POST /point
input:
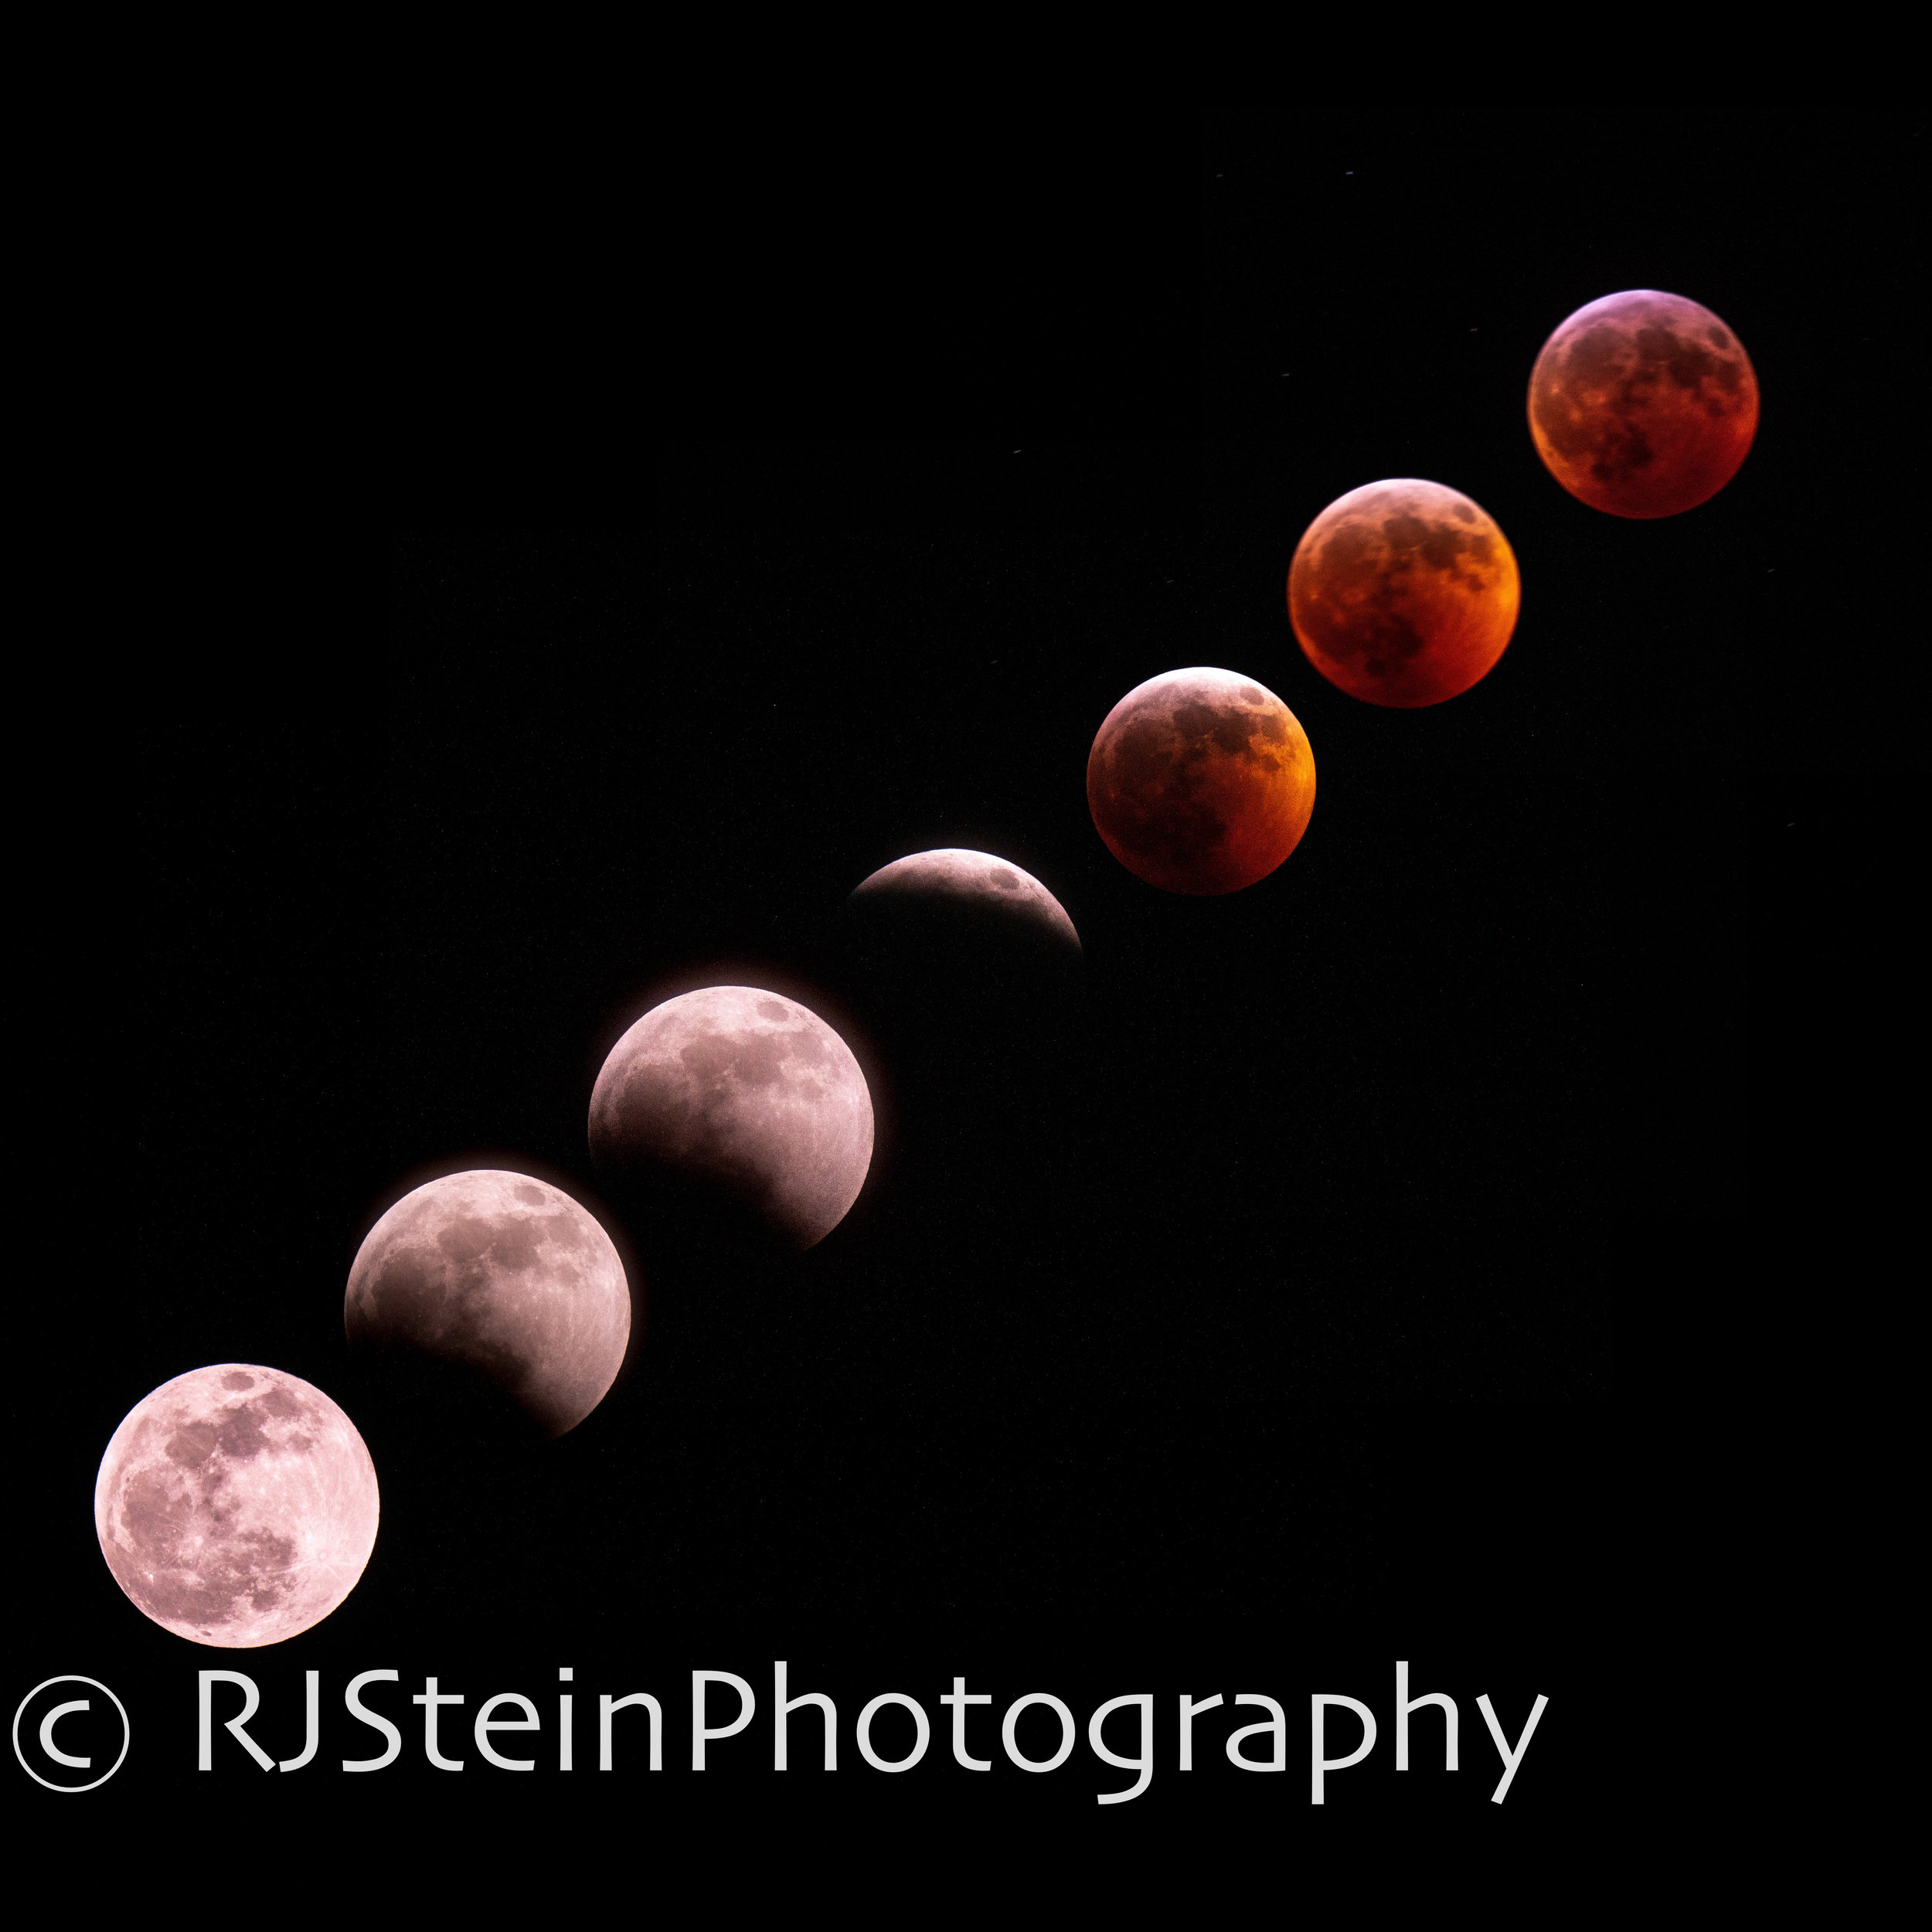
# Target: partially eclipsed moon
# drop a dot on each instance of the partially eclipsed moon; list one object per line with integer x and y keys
{"x": 743, "y": 1091}
{"x": 502, "y": 1273}
{"x": 1403, "y": 593}
{"x": 235, "y": 1505}
{"x": 973, "y": 881}
{"x": 1201, "y": 781}
{"x": 1643, "y": 404}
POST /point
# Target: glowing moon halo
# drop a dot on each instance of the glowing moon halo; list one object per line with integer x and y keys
{"x": 235, "y": 1505}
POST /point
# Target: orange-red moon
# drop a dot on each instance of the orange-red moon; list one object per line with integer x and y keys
{"x": 1403, "y": 593}
{"x": 1643, "y": 404}
{"x": 1201, "y": 781}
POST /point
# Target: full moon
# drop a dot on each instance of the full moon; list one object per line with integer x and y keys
{"x": 1643, "y": 404}
{"x": 744, "y": 1092}
{"x": 235, "y": 1505}
{"x": 505, "y": 1275}
{"x": 1403, "y": 593}
{"x": 1201, "y": 781}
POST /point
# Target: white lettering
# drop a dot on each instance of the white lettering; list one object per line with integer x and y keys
{"x": 1319, "y": 1766}
{"x": 700, "y": 1736}
{"x": 252, "y": 1703}
{"x": 1143, "y": 1764}
{"x": 1510, "y": 1759}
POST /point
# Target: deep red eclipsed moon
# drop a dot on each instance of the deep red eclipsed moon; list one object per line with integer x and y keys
{"x": 1643, "y": 404}
{"x": 235, "y": 1505}
{"x": 1403, "y": 593}
{"x": 1201, "y": 781}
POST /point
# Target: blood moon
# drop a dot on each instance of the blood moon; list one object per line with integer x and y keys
{"x": 235, "y": 1505}
{"x": 1403, "y": 593}
{"x": 1201, "y": 781}
{"x": 1643, "y": 404}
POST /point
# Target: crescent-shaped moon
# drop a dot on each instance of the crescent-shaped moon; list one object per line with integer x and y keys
{"x": 975, "y": 883}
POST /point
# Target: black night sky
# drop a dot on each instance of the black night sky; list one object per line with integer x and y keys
{"x": 1291, "y": 1304}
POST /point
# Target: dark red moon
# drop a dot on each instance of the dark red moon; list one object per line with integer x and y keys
{"x": 1201, "y": 781}
{"x": 1403, "y": 593}
{"x": 1643, "y": 404}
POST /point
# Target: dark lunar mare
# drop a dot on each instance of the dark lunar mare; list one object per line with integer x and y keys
{"x": 1151, "y": 790}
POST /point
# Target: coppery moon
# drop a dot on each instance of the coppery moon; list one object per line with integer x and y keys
{"x": 505, "y": 1275}
{"x": 235, "y": 1505}
{"x": 1643, "y": 404}
{"x": 742, "y": 1091}
{"x": 1201, "y": 781}
{"x": 1403, "y": 593}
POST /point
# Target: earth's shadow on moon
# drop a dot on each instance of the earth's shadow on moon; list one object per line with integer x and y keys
{"x": 951, "y": 1293}
{"x": 973, "y": 1045}
{"x": 717, "y": 1272}
{"x": 417, "y": 1408}
{"x": 412, "y": 1392}
{"x": 716, "y": 1268}
{"x": 649, "y": 1201}
{"x": 979, "y": 1012}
